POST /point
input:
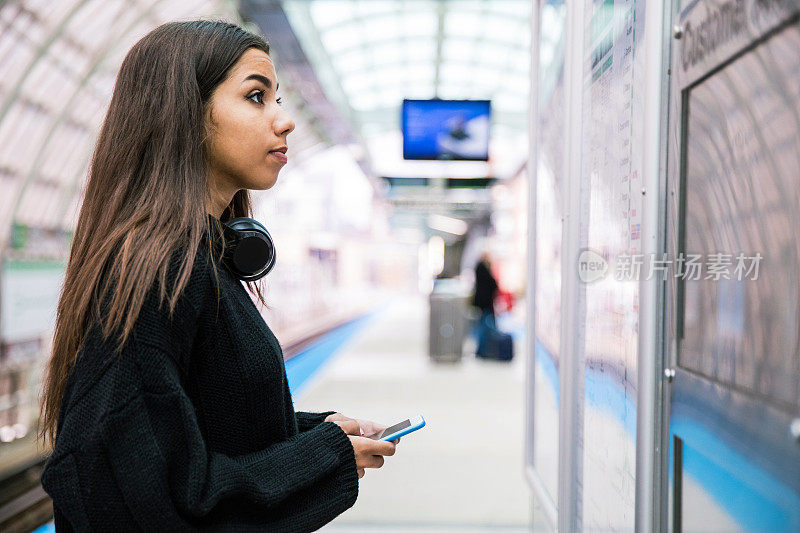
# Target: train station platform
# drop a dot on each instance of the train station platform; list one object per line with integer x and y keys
{"x": 463, "y": 472}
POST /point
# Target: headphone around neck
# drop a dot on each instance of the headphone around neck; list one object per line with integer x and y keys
{"x": 249, "y": 250}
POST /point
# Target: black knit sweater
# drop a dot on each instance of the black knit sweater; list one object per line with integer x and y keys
{"x": 192, "y": 426}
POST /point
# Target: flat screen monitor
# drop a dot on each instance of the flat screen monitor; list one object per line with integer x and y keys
{"x": 446, "y": 129}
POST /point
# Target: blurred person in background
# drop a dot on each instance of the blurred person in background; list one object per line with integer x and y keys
{"x": 166, "y": 395}
{"x": 483, "y": 299}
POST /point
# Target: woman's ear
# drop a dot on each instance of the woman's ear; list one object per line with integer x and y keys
{"x": 209, "y": 128}
{"x": 208, "y": 119}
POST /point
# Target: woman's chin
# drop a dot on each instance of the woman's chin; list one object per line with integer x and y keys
{"x": 264, "y": 184}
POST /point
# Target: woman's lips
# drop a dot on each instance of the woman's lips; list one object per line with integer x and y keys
{"x": 280, "y": 156}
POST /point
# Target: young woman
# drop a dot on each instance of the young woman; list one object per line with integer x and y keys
{"x": 166, "y": 394}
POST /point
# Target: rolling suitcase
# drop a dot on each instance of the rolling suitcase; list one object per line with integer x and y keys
{"x": 497, "y": 345}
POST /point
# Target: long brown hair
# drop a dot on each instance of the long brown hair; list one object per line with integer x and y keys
{"x": 147, "y": 193}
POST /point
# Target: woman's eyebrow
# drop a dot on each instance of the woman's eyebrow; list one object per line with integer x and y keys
{"x": 263, "y": 79}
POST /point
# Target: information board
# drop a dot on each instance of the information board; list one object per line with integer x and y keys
{"x": 549, "y": 212}
{"x": 610, "y": 231}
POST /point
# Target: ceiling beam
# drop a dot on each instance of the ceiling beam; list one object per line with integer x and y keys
{"x": 313, "y": 52}
{"x": 441, "y": 13}
{"x": 394, "y": 12}
{"x": 514, "y": 47}
{"x": 115, "y": 38}
{"x": 40, "y": 52}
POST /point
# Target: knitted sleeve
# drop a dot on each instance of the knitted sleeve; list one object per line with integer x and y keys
{"x": 306, "y": 421}
{"x": 171, "y": 481}
{"x": 158, "y": 459}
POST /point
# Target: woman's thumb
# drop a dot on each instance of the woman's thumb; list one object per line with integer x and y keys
{"x": 350, "y": 427}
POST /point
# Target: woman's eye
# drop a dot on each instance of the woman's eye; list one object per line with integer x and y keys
{"x": 259, "y": 95}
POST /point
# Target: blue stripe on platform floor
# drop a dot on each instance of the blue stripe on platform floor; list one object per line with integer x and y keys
{"x": 307, "y": 362}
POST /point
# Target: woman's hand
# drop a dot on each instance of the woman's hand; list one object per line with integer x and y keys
{"x": 370, "y": 452}
{"x": 366, "y": 427}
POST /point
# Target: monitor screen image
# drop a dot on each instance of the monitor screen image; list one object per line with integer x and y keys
{"x": 446, "y": 129}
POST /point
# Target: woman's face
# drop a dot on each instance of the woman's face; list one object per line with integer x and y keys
{"x": 245, "y": 126}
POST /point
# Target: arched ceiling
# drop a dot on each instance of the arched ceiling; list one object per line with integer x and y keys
{"x": 370, "y": 54}
{"x": 58, "y": 64}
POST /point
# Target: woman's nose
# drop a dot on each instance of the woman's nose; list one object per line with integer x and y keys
{"x": 284, "y": 124}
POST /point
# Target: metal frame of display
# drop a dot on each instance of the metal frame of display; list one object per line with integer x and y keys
{"x": 534, "y": 480}
{"x": 776, "y": 16}
{"x": 651, "y": 417}
{"x": 570, "y": 409}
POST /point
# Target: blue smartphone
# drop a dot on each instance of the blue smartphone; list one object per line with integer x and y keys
{"x": 398, "y": 430}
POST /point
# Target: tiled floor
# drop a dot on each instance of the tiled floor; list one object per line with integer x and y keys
{"x": 462, "y": 472}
